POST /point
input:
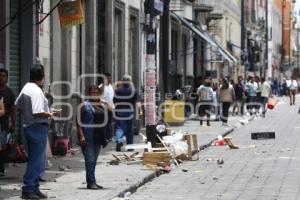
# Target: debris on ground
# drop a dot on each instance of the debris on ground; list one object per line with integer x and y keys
{"x": 185, "y": 170}
{"x": 64, "y": 168}
{"x": 229, "y": 143}
{"x": 220, "y": 161}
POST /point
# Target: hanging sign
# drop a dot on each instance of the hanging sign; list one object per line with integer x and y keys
{"x": 71, "y": 13}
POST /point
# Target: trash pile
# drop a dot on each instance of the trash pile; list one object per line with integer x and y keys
{"x": 173, "y": 148}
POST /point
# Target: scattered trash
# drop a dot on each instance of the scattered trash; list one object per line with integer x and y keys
{"x": 114, "y": 162}
{"x": 64, "y": 168}
{"x": 220, "y": 161}
{"x": 167, "y": 169}
{"x": 253, "y": 146}
{"x": 126, "y": 195}
{"x": 185, "y": 170}
{"x": 229, "y": 143}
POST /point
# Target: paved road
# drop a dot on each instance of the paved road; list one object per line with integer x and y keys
{"x": 270, "y": 170}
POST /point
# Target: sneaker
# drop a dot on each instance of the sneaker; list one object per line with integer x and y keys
{"x": 118, "y": 147}
{"x": 41, "y": 195}
{"x": 26, "y": 195}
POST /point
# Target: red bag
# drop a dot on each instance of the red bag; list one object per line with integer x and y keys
{"x": 13, "y": 153}
{"x": 271, "y": 103}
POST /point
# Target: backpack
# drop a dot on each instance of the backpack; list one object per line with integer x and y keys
{"x": 205, "y": 94}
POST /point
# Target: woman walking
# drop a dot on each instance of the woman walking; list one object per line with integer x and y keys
{"x": 226, "y": 99}
{"x": 91, "y": 132}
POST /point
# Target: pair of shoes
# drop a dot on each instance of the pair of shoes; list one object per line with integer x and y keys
{"x": 118, "y": 147}
{"x": 94, "y": 187}
{"x": 42, "y": 180}
{"x": 100, "y": 186}
{"x": 41, "y": 195}
{"x": 2, "y": 174}
{"x": 38, "y": 195}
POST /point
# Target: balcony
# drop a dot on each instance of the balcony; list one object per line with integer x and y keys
{"x": 219, "y": 6}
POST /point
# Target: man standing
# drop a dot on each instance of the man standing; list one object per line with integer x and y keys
{"x": 108, "y": 97}
{"x": 126, "y": 101}
{"x": 251, "y": 89}
{"x": 8, "y": 121}
{"x": 34, "y": 107}
{"x": 240, "y": 95}
{"x": 266, "y": 92}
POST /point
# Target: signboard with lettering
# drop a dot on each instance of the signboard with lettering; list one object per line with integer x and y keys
{"x": 262, "y": 135}
{"x": 71, "y": 13}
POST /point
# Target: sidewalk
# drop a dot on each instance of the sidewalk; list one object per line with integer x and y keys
{"x": 116, "y": 179}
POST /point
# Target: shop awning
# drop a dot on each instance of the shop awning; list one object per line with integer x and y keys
{"x": 208, "y": 38}
{"x": 227, "y": 55}
{"x": 195, "y": 30}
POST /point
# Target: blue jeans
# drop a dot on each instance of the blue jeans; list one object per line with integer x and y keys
{"x": 125, "y": 127}
{"x": 90, "y": 152}
{"x": 3, "y": 142}
{"x": 36, "y": 137}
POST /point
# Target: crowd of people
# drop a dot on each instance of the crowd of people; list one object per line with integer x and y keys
{"x": 251, "y": 95}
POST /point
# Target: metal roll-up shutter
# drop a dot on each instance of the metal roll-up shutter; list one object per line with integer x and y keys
{"x": 14, "y": 50}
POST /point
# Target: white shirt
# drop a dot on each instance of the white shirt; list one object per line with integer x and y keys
{"x": 32, "y": 100}
{"x": 108, "y": 94}
{"x": 265, "y": 89}
{"x": 294, "y": 85}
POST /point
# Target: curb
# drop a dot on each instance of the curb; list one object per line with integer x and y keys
{"x": 157, "y": 173}
{"x": 133, "y": 188}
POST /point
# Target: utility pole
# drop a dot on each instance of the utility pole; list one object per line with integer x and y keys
{"x": 150, "y": 71}
{"x": 165, "y": 45}
{"x": 267, "y": 37}
{"x": 282, "y": 37}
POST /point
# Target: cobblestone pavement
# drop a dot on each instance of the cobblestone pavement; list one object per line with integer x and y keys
{"x": 258, "y": 170}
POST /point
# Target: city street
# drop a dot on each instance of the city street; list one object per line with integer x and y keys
{"x": 264, "y": 169}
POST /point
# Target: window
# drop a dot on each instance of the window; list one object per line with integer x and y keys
{"x": 2, "y": 33}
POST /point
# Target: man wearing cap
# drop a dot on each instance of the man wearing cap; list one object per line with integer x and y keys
{"x": 126, "y": 100}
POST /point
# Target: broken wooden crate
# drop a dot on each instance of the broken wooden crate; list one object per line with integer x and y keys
{"x": 154, "y": 158}
{"x": 192, "y": 142}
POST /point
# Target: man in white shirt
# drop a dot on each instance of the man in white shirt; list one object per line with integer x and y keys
{"x": 293, "y": 91}
{"x": 34, "y": 107}
{"x": 108, "y": 97}
{"x": 266, "y": 92}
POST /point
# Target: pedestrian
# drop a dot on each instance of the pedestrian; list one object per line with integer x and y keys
{"x": 293, "y": 91}
{"x": 108, "y": 96}
{"x": 251, "y": 95}
{"x": 216, "y": 104}
{"x": 266, "y": 92}
{"x": 8, "y": 120}
{"x": 126, "y": 102}
{"x": 91, "y": 126}
{"x": 258, "y": 100}
{"x": 205, "y": 100}
{"x": 34, "y": 107}
{"x": 240, "y": 97}
{"x": 226, "y": 98}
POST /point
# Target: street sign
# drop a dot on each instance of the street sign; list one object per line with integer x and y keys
{"x": 262, "y": 135}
